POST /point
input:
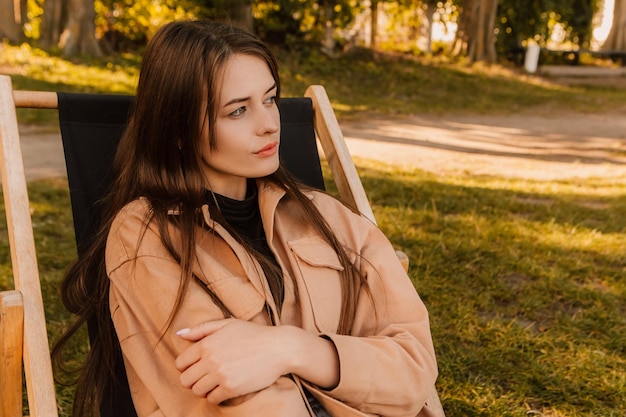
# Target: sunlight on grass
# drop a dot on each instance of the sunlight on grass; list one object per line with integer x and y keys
{"x": 524, "y": 285}
{"x": 523, "y": 279}
{"x": 40, "y": 66}
{"x": 361, "y": 83}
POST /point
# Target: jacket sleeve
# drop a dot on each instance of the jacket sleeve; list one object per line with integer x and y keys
{"x": 143, "y": 287}
{"x": 387, "y": 363}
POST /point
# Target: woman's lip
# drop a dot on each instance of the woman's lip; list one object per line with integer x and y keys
{"x": 268, "y": 150}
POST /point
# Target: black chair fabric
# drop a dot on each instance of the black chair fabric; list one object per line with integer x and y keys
{"x": 91, "y": 126}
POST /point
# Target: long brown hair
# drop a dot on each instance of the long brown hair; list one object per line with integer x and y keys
{"x": 159, "y": 158}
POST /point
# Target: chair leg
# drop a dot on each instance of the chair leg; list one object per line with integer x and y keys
{"x": 11, "y": 349}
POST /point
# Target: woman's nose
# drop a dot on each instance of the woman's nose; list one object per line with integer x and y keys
{"x": 269, "y": 120}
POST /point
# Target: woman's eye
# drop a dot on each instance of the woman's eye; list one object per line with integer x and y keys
{"x": 239, "y": 112}
{"x": 270, "y": 100}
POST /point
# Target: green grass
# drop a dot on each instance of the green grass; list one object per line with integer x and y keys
{"x": 54, "y": 237}
{"x": 359, "y": 84}
{"x": 34, "y": 69}
{"x": 523, "y": 279}
{"x": 398, "y": 86}
{"x": 524, "y": 284}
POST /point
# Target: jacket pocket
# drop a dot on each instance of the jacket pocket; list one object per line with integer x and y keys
{"x": 316, "y": 252}
{"x": 319, "y": 274}
{"x": 238, "y": 295}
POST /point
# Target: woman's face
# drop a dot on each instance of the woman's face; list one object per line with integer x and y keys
{"x": 247, "y": 128}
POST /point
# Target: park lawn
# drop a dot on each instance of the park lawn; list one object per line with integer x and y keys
{"x": 360, "y": 84}
{"x": 524, "y": 284}
{"x": 522, "y": 279}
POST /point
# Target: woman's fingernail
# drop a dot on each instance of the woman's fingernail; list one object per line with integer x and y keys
{"x": 183, "y": 331}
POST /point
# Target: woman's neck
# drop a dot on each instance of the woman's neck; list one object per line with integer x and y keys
{"x": 233, "y": 190}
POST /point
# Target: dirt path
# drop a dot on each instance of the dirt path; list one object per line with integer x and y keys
{"x": 522, "y": 146}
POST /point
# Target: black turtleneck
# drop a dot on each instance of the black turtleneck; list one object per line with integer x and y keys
{"x": 244, "y": 217}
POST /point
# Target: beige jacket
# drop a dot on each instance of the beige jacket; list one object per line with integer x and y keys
{"x": 387, "y": 366}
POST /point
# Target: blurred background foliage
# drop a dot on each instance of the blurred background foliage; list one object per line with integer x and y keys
{"x": 523, "y": 279}
{"x": 421, "y": 27}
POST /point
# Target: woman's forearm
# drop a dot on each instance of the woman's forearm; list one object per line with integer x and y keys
{"x": 311, "y": 357}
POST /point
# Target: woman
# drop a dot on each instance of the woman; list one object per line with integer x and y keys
{"x": 234, "y": 290}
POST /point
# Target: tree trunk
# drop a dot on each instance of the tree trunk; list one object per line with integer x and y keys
{"x": 79, "y": 34}
{"x": 491, "y": 55}
{"x": 374, "y": 23}
{"x": 464, "y": 24}
{"x": 475, "y": 34}
{"x": 241, "y": 15}
{"x": 70, "y": 25}
{"x": 427, "y": 24}
{"x": 479, "y": 32}
{"x": 616, "y": 40}
{"x": 464, "y": 27}
{"x": 12, "y": 19}
{"x": 52, "y": 22}
{"x": 328, "y": 36}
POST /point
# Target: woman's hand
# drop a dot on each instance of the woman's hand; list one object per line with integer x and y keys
{"x": 230, "y": 358}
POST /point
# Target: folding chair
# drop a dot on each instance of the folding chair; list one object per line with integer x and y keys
{"x": 88, "y": 157}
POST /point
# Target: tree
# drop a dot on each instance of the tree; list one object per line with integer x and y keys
{"x": 616, "y": 40}
{"x": 69, "y": 24}
{"x": 327, "y": 20}
{"x": 374, "y": 23}
{"x": 408, "y": 24}
{"x": 237, "y": 12}
{"x": 429, "y": 8}
{"x": 539, "y": 20}
{"x": 51, "y": 23}
{"x": 79, "y": 35}
{"x": 475, "y": 36}
{"x": 487, "y": 28}
{"x": 12, "y": 19}
{"x": 281, "y": 21}
{"x": 302, "y": 23}
{"x": 330, "y": 16}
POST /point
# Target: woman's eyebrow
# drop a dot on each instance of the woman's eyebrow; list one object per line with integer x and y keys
{"x": 271, "y": 88}
{"x": 242, "y": 99}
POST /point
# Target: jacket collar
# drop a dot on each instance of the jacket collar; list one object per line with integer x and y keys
{"x": 269, "y": 194}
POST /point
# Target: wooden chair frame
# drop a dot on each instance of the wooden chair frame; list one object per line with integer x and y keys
{"x": 36, "y": 351}
{"x": 23, "y": 333}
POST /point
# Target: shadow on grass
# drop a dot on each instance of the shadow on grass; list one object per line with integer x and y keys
{"x": 367, "y": 83}
{"x": 525, "y": 290}
{"x": 523, "y": 282}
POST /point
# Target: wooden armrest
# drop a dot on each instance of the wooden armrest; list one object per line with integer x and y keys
{"x": 337, "y": 154}
{"x": 35, "y": 99}
{"x": 11, "y": 349}
{"x": 404, "y": 260}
